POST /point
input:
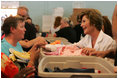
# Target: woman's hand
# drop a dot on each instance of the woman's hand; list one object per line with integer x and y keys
{"x": 34, "y": 52}
{"x": 93, "y": 52}
{"x": 27, "y": 44}
{"x": 26, "y": 40}
{"x": 27, "y": 72}
{"x": 88, "y": 50}
{"x": 41, "y": 40}
{"x": 100, "y": 53}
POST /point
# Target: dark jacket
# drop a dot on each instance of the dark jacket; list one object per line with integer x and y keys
{"x": 30, "y": 34}
{"x": 79, "y": 31}
{"x": 68, "y": 33}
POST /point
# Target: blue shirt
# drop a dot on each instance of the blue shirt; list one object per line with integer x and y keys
{"x": 5, "y": 47}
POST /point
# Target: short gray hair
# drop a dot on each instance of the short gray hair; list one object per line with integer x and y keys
{"x": 65, "y": 19}
{"x": 23, "y": 7}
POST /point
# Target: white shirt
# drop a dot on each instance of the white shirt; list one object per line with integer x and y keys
{"x": 103, "y": 42}
{"x": 53, "y": 30}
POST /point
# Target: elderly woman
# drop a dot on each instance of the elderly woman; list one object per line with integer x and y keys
{"x": 95, "y": 39}
{"x": 14, "y": 30}
{"x": 66, "y": 31}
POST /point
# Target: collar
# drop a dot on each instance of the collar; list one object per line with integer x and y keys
{"x": 100, "y": 37}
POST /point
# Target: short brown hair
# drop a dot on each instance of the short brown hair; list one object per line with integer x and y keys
{"x": 9, "y": 22}
{"x": 57, "y": 21}
{"x": 94, "y": 16}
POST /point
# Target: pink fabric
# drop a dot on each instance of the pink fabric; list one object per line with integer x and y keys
{"x": 66, "y": 51}
{"x": 53, "y": 53}
{"x": 71, "y": 51}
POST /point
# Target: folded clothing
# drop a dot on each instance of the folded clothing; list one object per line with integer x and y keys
{"x": 72, "y": 70}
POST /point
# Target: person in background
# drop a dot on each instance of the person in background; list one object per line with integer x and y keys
{"x": 23, "y": 11}
{"x": 107, "y": 26}
{"x": 66, "y": 31}
{"x": 37, "y": 28}
{"x": 79, "y": 29}
{"x": 14, "y": 30}
{"x": 29, "y": 20}
{"x": 57, "y": 24}
{"x": 30, "y": 33}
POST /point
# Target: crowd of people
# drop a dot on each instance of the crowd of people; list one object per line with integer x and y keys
{"x": 99, "y": 37}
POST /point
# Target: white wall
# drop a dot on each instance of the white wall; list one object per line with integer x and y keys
{"x": 39, "y": 8}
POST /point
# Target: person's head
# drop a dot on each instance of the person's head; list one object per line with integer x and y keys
{"x": 65, "y": 22}
{"x": 14, "y": 25}
{"x": 91, "y": 19}
{"x": 37, "y": 28}
{"x": 107, "y": 27}
{"x": 29, "y": 20}
{"x": 22, "y": 11}
{"x": 57, "y": 21}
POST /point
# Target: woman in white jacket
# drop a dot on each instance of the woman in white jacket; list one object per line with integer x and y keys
{"x": 95, "y": 39}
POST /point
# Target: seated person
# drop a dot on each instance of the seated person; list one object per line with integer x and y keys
{"x": 13, "y": 34}
{"x": 29, "y": 20}
{"x": 66, "y": 31}
{"x": 37, "y": 28}
{"x": 14, "y": 30}
{"x": 91, "y": 22}
{"x": 57, "y": 24}
{"x": 30, "y": 32}
{"x": 107, "y": 29}
{"x": 79, "y": 29}
{"x": 112, "y": 51}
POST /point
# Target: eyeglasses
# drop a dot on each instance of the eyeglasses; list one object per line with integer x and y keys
{"x": 22, "y": 15}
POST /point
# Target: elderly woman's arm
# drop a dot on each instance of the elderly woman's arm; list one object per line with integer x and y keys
{"x": 34, "y": 52}
{"x": 27, "y": 44}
